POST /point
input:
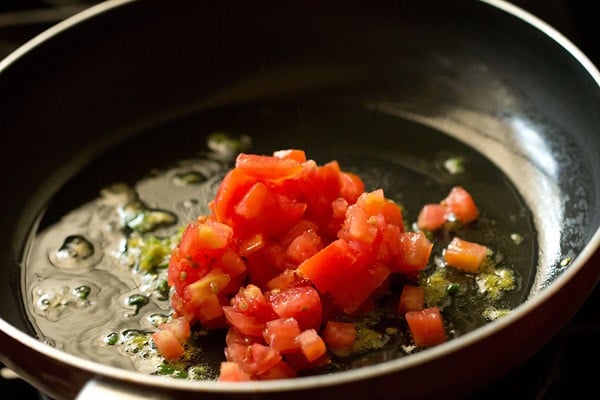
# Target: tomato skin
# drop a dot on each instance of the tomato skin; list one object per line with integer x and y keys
{"x": 426, "y": 326}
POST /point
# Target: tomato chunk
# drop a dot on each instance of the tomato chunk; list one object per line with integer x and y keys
{"x": 460, "y": 203}
{"x": 465, "y": 255}
{"x": 426, "y": 326}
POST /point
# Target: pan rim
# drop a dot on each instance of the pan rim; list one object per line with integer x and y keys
{"x": 338, "y": 378}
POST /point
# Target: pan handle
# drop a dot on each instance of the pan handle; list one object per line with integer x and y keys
{"x": 96, "y": 389}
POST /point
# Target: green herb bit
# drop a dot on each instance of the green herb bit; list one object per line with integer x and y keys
{"x": 454, "y": 165}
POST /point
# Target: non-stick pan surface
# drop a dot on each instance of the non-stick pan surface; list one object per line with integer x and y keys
{"x": 387, "y": 84}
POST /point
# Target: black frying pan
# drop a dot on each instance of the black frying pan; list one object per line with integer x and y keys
{"x": 386, "y": 89}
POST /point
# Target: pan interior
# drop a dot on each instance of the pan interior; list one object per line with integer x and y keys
{"x": 78, "y": 245}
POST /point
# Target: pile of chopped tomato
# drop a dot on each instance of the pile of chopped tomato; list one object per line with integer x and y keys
{"x": 288, "y": 248}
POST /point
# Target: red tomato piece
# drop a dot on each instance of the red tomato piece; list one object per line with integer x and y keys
{"x": 180, "y": 328}
{"x": 303, "y": 246}
{"x": 412, "y": 298}
{"x": 281, "y": 334}
{"x": 426, "y": 327}
{"x": 257, "y": 203}
{"x": 255, "y": 359}
{"x": 267, "y": 167}
{"x": 460, "y": 203}
{"x": 415, "y": 250}
{"x": 352, "y": 186}
{"x": 232, "y": 372}
{"x": 432, "y": 217}
{"x": 231, "y": 190}
{"x": 244, "y": 324}
{"x": 281, "y": 370}
{"x": 334, "y": 270}
{"x": 292, "y": 154}
{"x": 183, "y": 271}
{"x": 250, "y": 300}
{"x": 465, "y": 255}
{"x": 311, "y": 344}
{"x": 167, "y": 344}
{"x": 302, "y": 303}
{"x": 339, "y": 335}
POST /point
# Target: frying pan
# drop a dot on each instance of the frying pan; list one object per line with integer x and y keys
{"x": 388, "y": 83}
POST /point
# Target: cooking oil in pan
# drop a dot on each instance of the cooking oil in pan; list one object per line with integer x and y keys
{"x": 94, "y": 284}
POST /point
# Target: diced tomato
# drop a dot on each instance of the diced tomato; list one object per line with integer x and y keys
{"x": 244, "y": 324}
{"x": 183, "y": 271}
{"x": 235, "y": 337}
{"x": 231, "y": 263}
{"x": 324, "y": 267}
{"x": 339, "y": 335}
{"x": 352, "y": 186}
{"x": 415, "y": 250}
{"x": 465, "y": 255}
{"x": 167, "y": 344}
{"x": 412, "y": 298}
{"x": 311, "y": 344}
{"x": 303, "y": 246}
{"x": 232, "y": 372}
{"x": 334, "y": 270}
{"x": 292, "y": 154}
{"x": 267, "y": 167}
{"x": 392, "y": 213}
{"x": 281, "y": 334}
{"x": 256, "y": 203}
{"x": 432, "y": 217}
{"x": 287, "y": 248}
{"x": 180, "y": 328}
{"x": 285, "y": 280}
{"x": 250, "y": 300}
{"x": 255, "y": 359}
{"x": 281, "y": 370}
{"x": 302, "y": 303}
{"x": 233, "y": 187}
{"x": 460, "y": 203}
{"x": 426, "y": 326}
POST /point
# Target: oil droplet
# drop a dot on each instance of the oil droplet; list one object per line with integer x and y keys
{"x": 516, "y": 238}
{"x": 186, "y": 178}
{"x": 76, "y": 252}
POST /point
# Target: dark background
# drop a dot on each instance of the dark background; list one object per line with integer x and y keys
{"x": 565, "y": 366}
